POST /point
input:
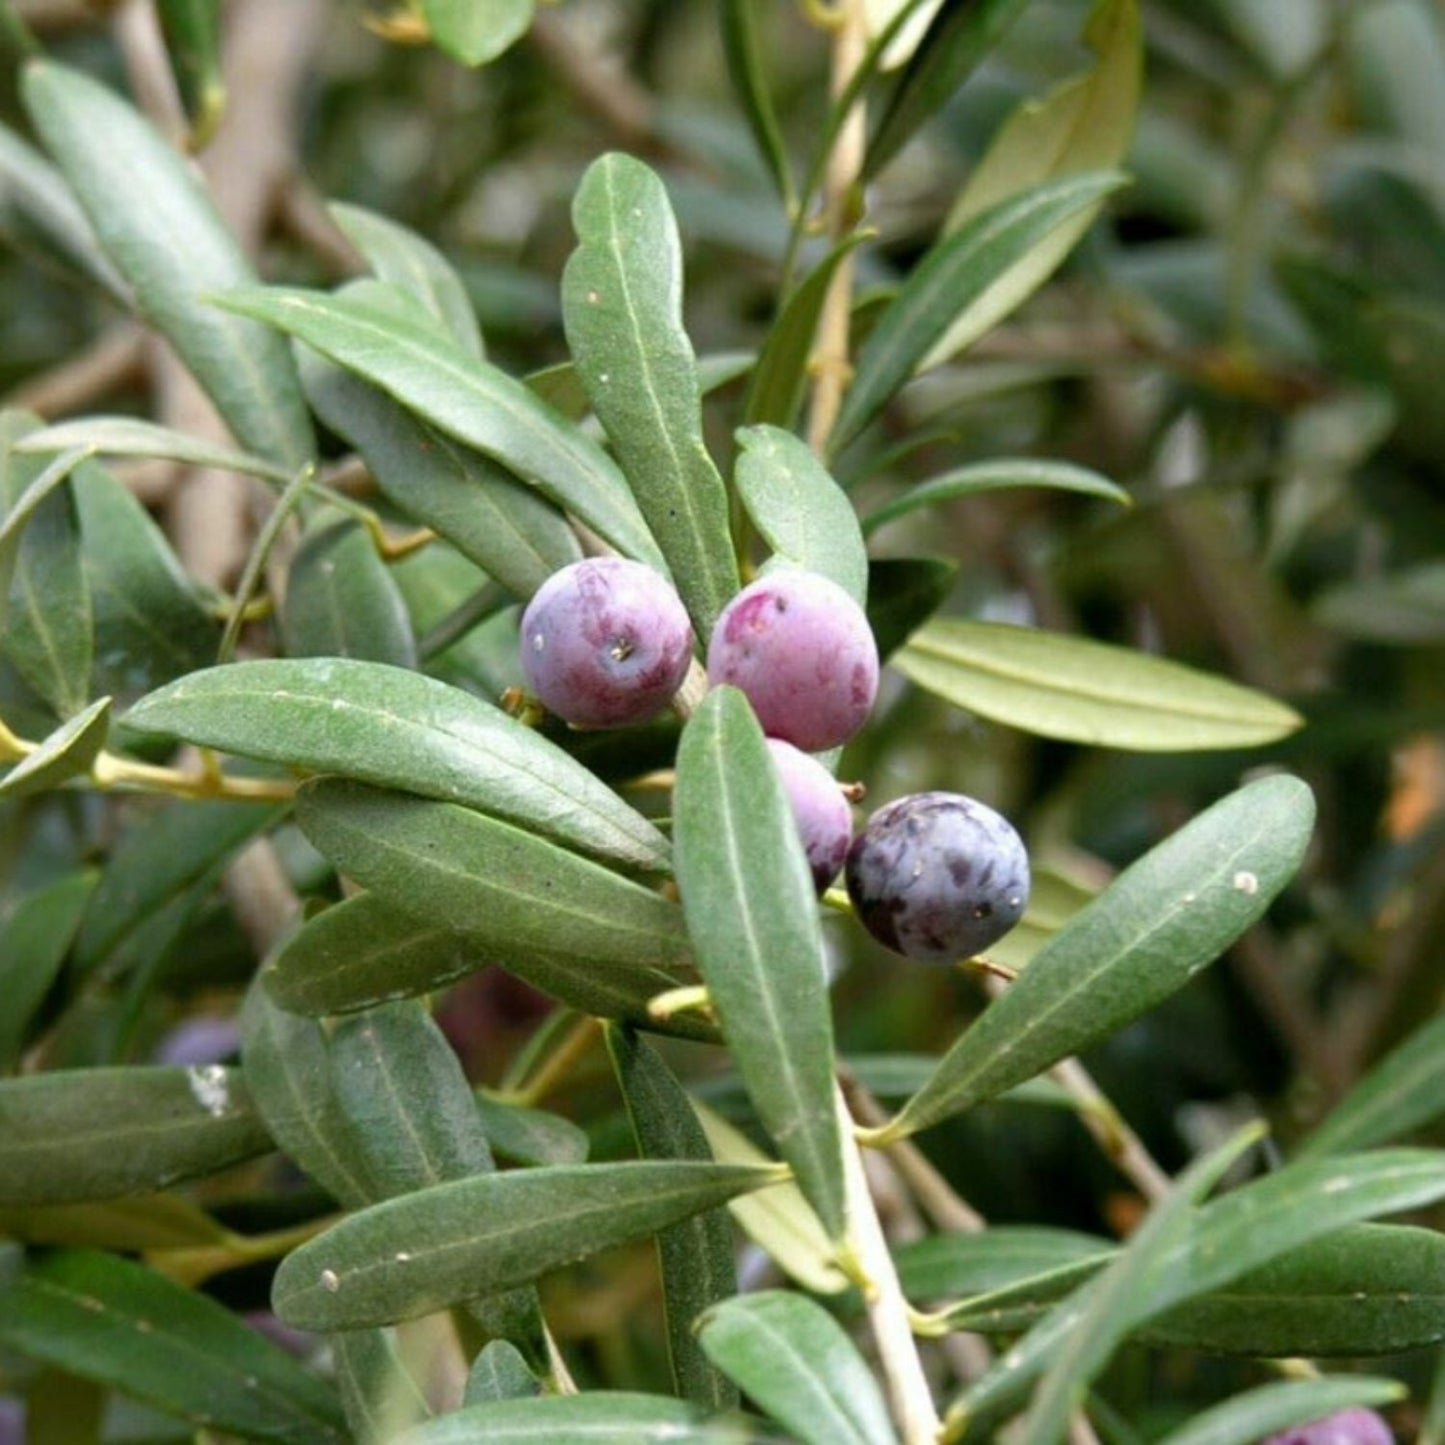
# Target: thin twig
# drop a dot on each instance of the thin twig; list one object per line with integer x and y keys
{"x": 110, "y": 361}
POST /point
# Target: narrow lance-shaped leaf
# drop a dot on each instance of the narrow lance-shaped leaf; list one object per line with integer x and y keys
{"x": 798, "y": 509}
{"x": 1067, "y": 687}
{"x": 68, "y": 752}
{"x": 380, "y": 1396}
{"x": 77, "y": 1134}
{"x": 742, "y": 50}
{"x": 162, "y": 230}
{"x": 751, "y": 911}
{"x": 1086, "y": 125}
{"x": 129, "y": 436}
{"x": 622, "y": 304}
{"x": 457, "y": 1241}
{"x": 792, "y": 1357}
{"x": 953, "y": 276}
{"x": 695, "y": 1255}
{"x": 192, "y": 30}
{"x": 390, "y": 726}
{"x": 600, "y": 1417}
{"x": 397, "y": 254}
{"x": 1257, "y": 1414}
{"x": 1143, "y": 937}
{"x": 465, "y": 397}
{"x": 109, "y": 1320}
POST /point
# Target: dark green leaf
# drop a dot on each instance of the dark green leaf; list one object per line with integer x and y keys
{"x": 952, "y": 277}
{"x": 67, "y": 753}
{"x": 506, "y": 528}
{"x": 128, "y": 436}
{"x": 695, "y": 1255}
{"x": 476, "y": 31}
{"x": 903, "y": 593}
{"x": 467, "y": 399}
{"x": 531, "y": 1136}
{"x": 499, "y": 1373}
{"x": 1251, "y": 1417}
{"x": 192, "y": 30}
{"x": 622, "y": 304}
{"x": 598, "y": 1417}
{"x": 1060, "y": 686}
{"x": 378, "y": 1393}
{"x": 34, "y": 940}
{"x": 398, "y": 255}
{"x": 945, "y": 1265}
{"x": 283, "y": 1058}
{"x": 792, "y": 1357}
{"x": 1403, "y": 1091}
{"x": 156, "y": 1222}
{"x": 478, "y": 1236}
{"x": 751, "y": 911}
{"x": 742, "y": 51}
{"x": 544, "y": 913}
{"x": 389, "y": 726}
{"x": 341, "y": 600}
{"x": 798, "y": 509}
{"x": 780, "y": 378}
{"x": 106, "y": 1319}
{"x": 995, "y": 476}
{"x": 78, "y": 1134}
{"x": 161, "y": 229}
{"x": 957, "y": 40}
{"x": 1146, "y": 935}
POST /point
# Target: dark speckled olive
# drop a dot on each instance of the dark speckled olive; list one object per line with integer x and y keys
{"x": 938, "y": 877}
{"x": 1345, "y": 1427}
{"x": 605, "y": 643}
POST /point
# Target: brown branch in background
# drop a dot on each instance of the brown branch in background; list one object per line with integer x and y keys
{"x": 114, "y": 358}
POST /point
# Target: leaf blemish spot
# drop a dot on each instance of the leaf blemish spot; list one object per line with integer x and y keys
{"x": 210, "y": 1089}
{"x": 1246, "y": 882}
{"x": 329, "y": 1281}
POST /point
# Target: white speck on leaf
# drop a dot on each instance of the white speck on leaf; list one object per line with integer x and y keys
{"x": 1246, "y": 883}
{"x": 402, "y": 1257}
{"x": 210, "y": 1089}
{"x": 329, "y": 1281}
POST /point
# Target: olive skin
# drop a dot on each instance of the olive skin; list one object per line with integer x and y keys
{"x": 938, "y": 877}
{"x": 824, "y": 819}
{"x": 1356, "y": 1426}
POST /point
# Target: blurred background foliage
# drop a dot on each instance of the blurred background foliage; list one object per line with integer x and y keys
{"x": 1249, "y": 342}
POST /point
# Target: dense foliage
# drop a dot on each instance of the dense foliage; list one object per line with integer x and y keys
{"x": 384, "y": 1058}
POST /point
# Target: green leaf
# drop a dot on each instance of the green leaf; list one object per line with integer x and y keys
{"x": 397, "y": 254}
{"x": 622, "y": 305}
{"x": 944, "y": 1265}
{"x": 779, "y": 380}
{"x": 466, "y": 398}
{"x": 499, "y": 1373}
{"x": 599, "y": 1417}
{"x": 505, "y": 527}
{"x": 393, "y": 727}
{"x": 798, "y": 509}
{"x": 957, "y": 40}
{"x": 994, "y": 476}
{"x": 128, "y": 436}
{"x": 1146, "y": 935}
{"x": 476, "y": 31}
{"x": 492, "y": 1232}
{"x": 283, "y": 1058}
{"x": 792, "y": 1357}
{"x": 192, "y": 30}
{"x": 742, "y": 50}
{"x": 149, "y": 624}
{"x": 168, "y": 853}
{"x": 1068, "y": 687}
{"x": 1404, "y": 608}
{"x": 161, "y": 229}
{"x": 958, "y": 276}
{"x": 67, "y": 753}
{"x": 1084, "y": 126}
{"x": 1372, "y": 1289}
{"x": 34, "y": 940}
{"x": 1250, "y": 1417}
{"x": 695, "y": 1255}
{"x": 1121, "y": 1293}
{"x": 753, "y": 918}
{"x": 79, "y": 1134}
{"x": 44, "y": 598}
{"x": 542, "y": 913}
{"x": 531, "y": 1136}
{"x": 903, "y": 593}
{"x": 378, "y": 1393}
{"x": 1403, "y": 1091}
{"x": 109, "y": 1320}
{"x": 151, "y": 1222}
{"x": 341, "y": 600}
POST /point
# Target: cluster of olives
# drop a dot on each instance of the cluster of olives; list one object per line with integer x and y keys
{"x": 606, "y": 643}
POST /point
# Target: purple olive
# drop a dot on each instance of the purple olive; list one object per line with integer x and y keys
{"x": 938, "y": 877}
{"x": 1356, "y": 1426}
{"x": 824, "y": 819}
{"x": 800, "y": 648}
{"x": 605, "y": 643}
